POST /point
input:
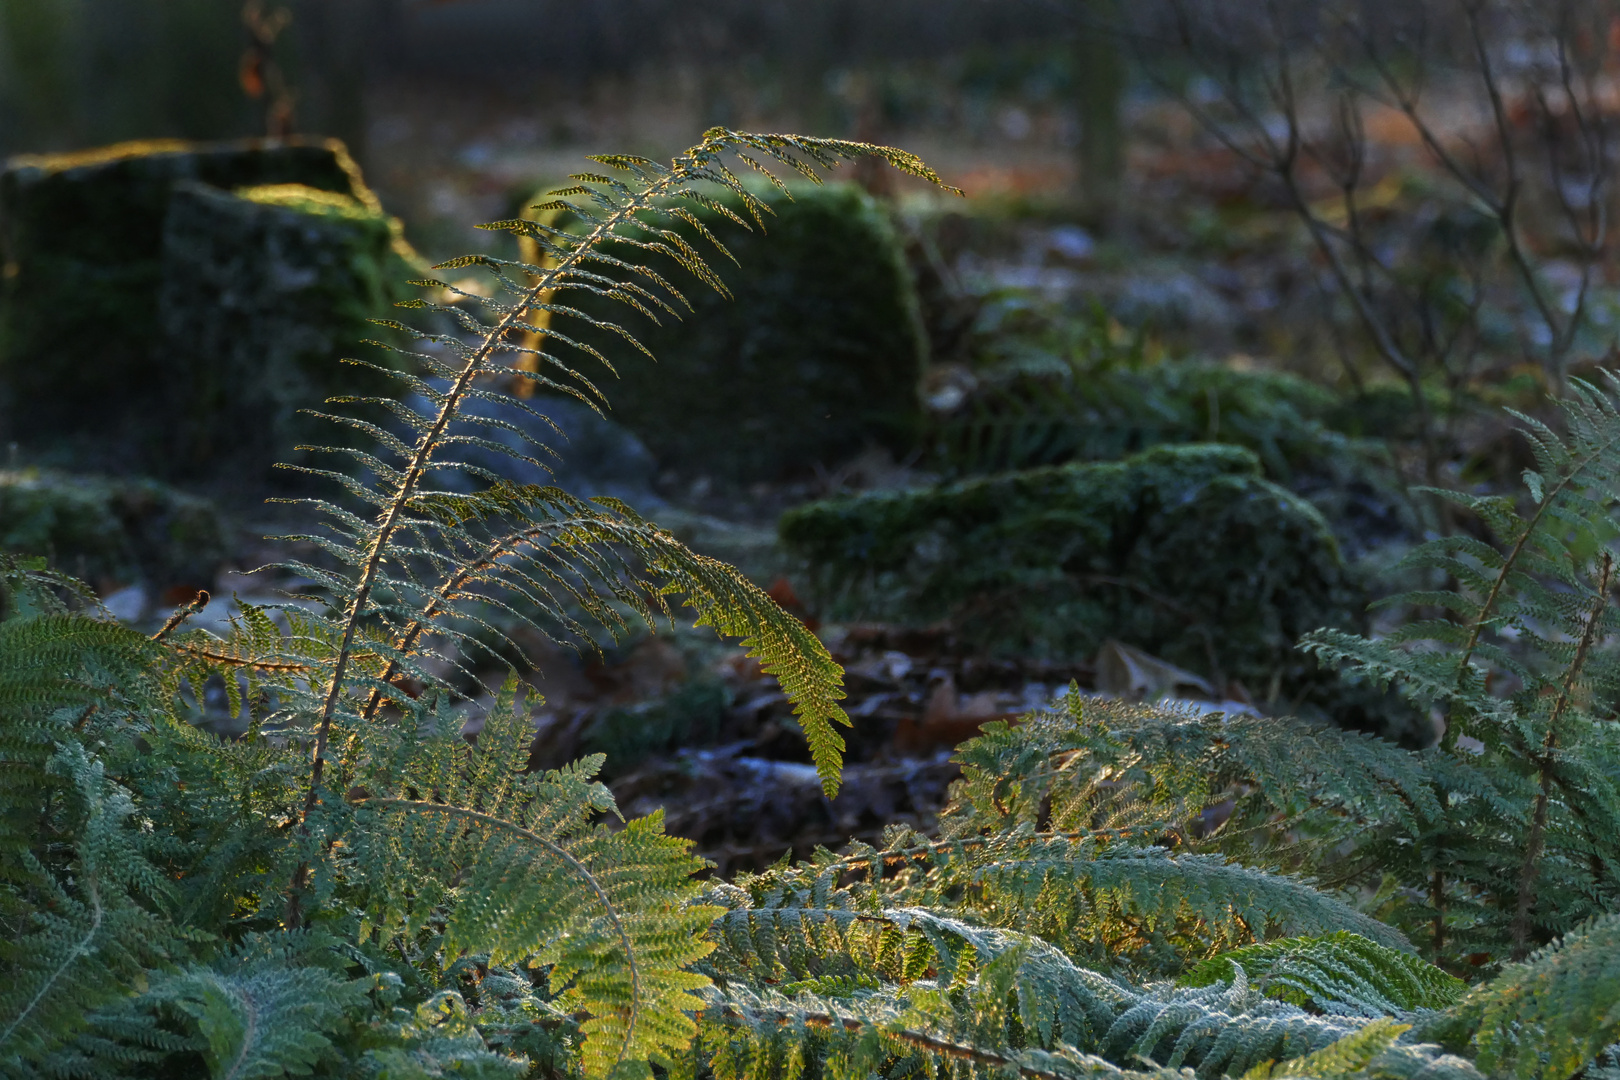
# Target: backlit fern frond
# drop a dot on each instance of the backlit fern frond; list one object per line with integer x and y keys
{"x": 1074, "y": 890}
{"x": 1092, "y": 763}
{"x": 1371, "y": 1054}
{"x": 402, "y": 558}
{"x": 955, "y": 925}
{"x": 539, "y": 549}
{"x": 512, "y": 868}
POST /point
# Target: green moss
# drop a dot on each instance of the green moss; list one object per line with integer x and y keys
{"x": 1048, "y": 387}
{"x": 110, "y": 530}
{"x": 83, "y": 347}
{"x": 818, "y": 354}
{"x": 1187, "y": 551}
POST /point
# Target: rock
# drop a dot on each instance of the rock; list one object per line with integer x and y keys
{"x": 113, "y": 532}
{"x": 87, "y": 317}
{"x": 1184, "y": 551}
{"x": 818, "y": 355}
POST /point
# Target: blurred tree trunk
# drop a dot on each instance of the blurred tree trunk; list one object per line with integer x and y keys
{"x": 38, "y": 98}
{"x": 1100, "y": 77}
{"x": 331, "y": 71}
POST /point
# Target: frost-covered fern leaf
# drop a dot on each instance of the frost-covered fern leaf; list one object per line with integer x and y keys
{"x": 263, "y": 1016}
{"x": 1340, "y": 973}
{"x": 989, "y": 963}
{"x": 511, "y": 867}
{"x": 982, "y": 1023}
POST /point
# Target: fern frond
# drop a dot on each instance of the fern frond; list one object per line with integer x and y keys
{"x": 1551, "y": 1015}
{"x": 86, "y": 933}
{"x": 554, "y": 550}
{"x": 1343, "y": 973}
{"x": 1076, "y": 891}
{"x": 512, "y": 866}
{"x": 1092, "y": 763}
{"x": 263, "y": 1019}
{"x": 411, "y": 560}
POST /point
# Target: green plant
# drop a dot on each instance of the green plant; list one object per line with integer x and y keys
{"x": 1514, "y": 651}
{"x": 355, "y": 889}
{"x": 298, "y": 827}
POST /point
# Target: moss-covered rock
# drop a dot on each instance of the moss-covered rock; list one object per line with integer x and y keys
{"x": 110, "y": 531}
{"x": 1186, "y": 551}
{"x": 1048, "y": 388}
{"x": 91, "y": 245}
{"x": 819, "y": 352}
{"x": 263, "y": 290}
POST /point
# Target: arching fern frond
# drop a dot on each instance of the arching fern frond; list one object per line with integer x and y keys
{"x": 1090, "y": 763}
{"x": 404, "y": 556}
{"x": 563, "y": 555}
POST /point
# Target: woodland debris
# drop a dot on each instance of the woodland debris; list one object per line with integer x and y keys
{"x": 746, "y": 812}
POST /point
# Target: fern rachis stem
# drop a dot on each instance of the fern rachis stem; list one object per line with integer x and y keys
{"x": 80, "y": 948}
{"x": 425, "y": 447}
{"x": 1538, "y": 822}
{"x": 920, "y": 1039}
{"x": 1448, "y": 741}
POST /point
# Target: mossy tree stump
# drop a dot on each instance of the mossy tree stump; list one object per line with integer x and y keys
{"x": 133, "y": 334}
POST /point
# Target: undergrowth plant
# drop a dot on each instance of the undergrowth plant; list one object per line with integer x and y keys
{"x": 353, "y": 888}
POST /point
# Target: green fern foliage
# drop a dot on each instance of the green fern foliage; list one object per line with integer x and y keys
{"x": 1520, "y": 664}
{"x": 83, "y": 916}
{"x": 1336, "y": 969}
{"x": 1153, "y": 771}
{"x": 352, "y": 887}
{"x": 1551, "y": 1015}
{"x": 511, "y": 864}
{"x": 263, "y": 1019}
{"x": 409, "y": 558}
